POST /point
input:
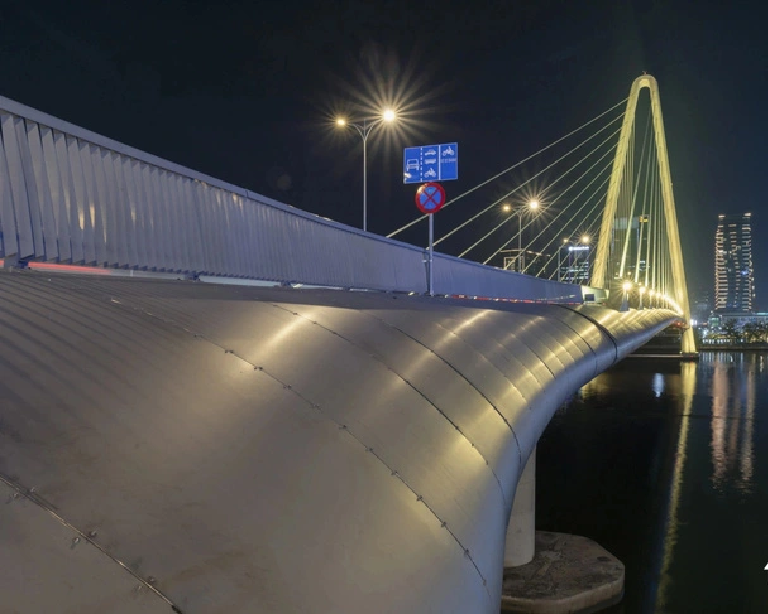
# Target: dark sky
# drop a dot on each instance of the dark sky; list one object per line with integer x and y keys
{"x": 243, "y": 91}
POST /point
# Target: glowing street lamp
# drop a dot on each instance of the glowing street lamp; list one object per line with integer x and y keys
{"x": 585, "y": 239}
{"x": 642, "y": 291}
{"x": 388, "y": 116}
{"x": 533, "y": 205}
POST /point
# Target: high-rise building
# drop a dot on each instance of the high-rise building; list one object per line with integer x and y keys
{"x": 734, "y": 277}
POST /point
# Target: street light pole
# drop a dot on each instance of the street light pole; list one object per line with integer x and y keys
{"x": 387, "y": 116}
{"x": 507, "y": 208}
{"x": 520, "y": 259}
{"x": 365, "y": 134}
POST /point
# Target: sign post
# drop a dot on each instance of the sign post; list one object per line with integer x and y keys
{"x": 430, "y": 198}
{"x": 431, "y": 287}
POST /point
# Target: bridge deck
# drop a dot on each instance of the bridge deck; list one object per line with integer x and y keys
{"x": 238, "y": 449}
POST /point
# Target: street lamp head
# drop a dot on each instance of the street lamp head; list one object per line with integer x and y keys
{"x": 643, "y": 289}
{"x": 506, "y": 207}
{"x": 388, "y": 115}
{"x": 340, "y": 121}
{"x": 565, "y": 241}
{"x": 585, "y": 239}
{"x": 534, "y": 204}
{"x": 626, "y": 286}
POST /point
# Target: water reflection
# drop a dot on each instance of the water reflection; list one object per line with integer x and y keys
{"x": 658, "y": 384}
{"x": 688, "y": 388}
{"x": 733, "y": 390}
{"x": 656, "y": 461}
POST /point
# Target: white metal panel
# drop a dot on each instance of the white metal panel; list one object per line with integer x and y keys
{"x": 236, "y": 221}
{"x": 249, "y": 209}
{"x": 81, "y": 169}
{"x": 280, "y": 235}
{"x": 77, "y": 204}
{"x": 186, "y": 221}
{"x": 50, "y": 236}
{"x": 26, "y": 245}
{"x": 200, "y": 217}
{"x": 148, "y": 216}
{"x": 117, "y": 207}
{"x": 7, "y": 216}
{"x": 97, "y": 190}
{"x": 243, "y": 243}
{"x": 228, "y": 231}
{"x": 137, "y": 210}
{"x": 262, "y": 242}
{"x": 69, "y": 198}
{"x": 160, "y": 217}
{"x": 168, "y": 195}
{"x": 176, "y": 193}
{"x": 33, "y": 197}
{"x": 219, "y": 230}
{"x": 113, "y": 211}
{"x": 123, "y": 173}
{"x": 58, "y": 196}
{"x": 196, "y": 233}
{"x": 88, "y": 156}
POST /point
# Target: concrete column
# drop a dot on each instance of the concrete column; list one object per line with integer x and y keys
{"x": 521, "y": 532}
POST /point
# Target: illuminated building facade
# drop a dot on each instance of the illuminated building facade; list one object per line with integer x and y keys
{"x": 734, "y": 276}
{"x": 573, "y": 263}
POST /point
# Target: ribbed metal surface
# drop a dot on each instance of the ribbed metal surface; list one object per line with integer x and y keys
{"x": 69, "y": 195}
{"x": 237, "y": 449}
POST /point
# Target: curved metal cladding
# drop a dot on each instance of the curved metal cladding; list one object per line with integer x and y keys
{"x": 231, "y": 449}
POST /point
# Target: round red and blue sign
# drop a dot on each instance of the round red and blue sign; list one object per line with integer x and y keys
{"x": 430, "y": 198}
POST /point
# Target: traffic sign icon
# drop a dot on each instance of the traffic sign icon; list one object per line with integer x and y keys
{"x": 431, "y": 163}
{"x": 430, "y": 198}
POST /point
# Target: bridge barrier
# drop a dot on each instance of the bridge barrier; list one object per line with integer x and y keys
{"x": 72, "y": 196}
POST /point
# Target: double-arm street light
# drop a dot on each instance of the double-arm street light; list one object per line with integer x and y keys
{"x": 387, "y": 117}
{"x": 533, "y": 205}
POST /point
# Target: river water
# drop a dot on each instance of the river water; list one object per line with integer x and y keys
{"x": 666, "y": 466}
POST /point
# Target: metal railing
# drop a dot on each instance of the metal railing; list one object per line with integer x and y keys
{"x": 72, "y": 196}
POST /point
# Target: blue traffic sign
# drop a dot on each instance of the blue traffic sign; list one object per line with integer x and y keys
{"x": 431, "y": 163}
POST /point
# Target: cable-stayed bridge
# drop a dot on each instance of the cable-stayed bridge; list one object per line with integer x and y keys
{"x": 199, "y": 447}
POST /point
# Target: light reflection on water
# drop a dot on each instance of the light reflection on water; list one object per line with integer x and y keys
{"x": 663, "y": 465}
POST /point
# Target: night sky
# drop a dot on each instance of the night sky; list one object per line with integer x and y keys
{"x": 245, "y": 91}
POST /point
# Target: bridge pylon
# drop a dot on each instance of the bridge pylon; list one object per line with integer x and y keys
{"x": 678, "y": 285}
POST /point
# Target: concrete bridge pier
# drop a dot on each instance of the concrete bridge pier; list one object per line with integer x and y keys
{"x": 553, "y": 573}
{"x": 520, "y": 546}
